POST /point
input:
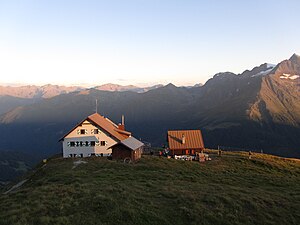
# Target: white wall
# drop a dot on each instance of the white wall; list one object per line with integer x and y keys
{"x": 89, "y": 136}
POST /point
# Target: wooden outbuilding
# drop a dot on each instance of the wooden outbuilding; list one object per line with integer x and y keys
{"x": 185, "y": 142}
{"x": 128, "y": 149}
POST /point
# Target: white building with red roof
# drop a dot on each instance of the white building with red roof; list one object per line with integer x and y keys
{"x": 93, "y": 137}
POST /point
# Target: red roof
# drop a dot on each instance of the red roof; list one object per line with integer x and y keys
{"x": 193, "y": 139}
{"x": 109, "y": 126}
{"x": 105, "y": 124}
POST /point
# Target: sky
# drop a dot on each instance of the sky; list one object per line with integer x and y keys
{"x": 141, "y": 42}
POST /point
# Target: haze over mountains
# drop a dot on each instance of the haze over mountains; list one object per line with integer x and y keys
{"x": 257, "y": 109}
{"x": 13, "y": 96}
{"x": 49, "y": 90}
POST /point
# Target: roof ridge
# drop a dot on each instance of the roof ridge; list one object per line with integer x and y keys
{"x": 122, "y": 131}
{"x": 110, "y": 121}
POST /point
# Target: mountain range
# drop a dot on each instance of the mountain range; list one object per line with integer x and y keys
{"x": 258, "y": 109}
{"x": 49, "y": 90}
{"x": 14, "y": 96}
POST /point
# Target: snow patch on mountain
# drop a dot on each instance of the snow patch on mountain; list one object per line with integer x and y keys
{"x": 289, "y": 76}
{"x": 263, "y": 73}
{"x": 270, "y": 65}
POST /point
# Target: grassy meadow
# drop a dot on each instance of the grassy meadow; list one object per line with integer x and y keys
{"x": 227, "y": 190}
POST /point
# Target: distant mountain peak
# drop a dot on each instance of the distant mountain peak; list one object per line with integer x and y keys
{"x": 225, "y": 74}
{"x": 170, "y": 85}
{"x": 258, "y": 71}
{"x": 295, "y": 58}
{"x": 289, "y": 69}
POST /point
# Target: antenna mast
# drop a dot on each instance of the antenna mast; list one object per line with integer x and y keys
{"x": 96, "y": 105}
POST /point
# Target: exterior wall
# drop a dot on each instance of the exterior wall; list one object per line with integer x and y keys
{"x": 88, "y": 136}
{"x": 122, "y": 152}
{"x": 184, "y": 151}
{"x": 137, "y": 154}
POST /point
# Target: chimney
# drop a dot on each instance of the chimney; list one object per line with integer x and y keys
{"x": 121, "y": 126}
{"x": 183, "y": 139}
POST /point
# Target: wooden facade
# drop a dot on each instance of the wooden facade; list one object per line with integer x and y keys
{"x": 129, "y": 148}
{"x": 121, "y": 152}
{"x": 185, "y": 151}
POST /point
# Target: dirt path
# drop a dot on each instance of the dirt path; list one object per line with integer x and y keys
{"x": 15, "y": 187}
{"x": 76, "y": 163}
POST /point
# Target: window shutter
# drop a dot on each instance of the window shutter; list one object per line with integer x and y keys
{"x": 78, "y": 131}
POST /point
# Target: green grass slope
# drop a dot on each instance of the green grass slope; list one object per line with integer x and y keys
{"x": 227, "y": 190}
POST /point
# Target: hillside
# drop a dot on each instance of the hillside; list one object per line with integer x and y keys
{"x": 278, "y": 98}
{"x": 8, "y": 103}
{"x": 14, "y": 164}
{"x": 227, "y": 190}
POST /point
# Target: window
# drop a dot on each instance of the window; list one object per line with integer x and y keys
{"x": 95, "y": 131}
{"x": 102, "y": 143}
{"x": 82, "y": 131}
{"x": 93, "y": 143}
{"x": 71, "y": 144}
